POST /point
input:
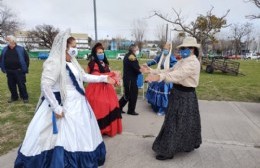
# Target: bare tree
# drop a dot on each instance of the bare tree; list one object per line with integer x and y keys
{"x": 43, "y": 35}
{"x": 257, "y": 4}
{"x": 30, "y": 42}
{"x": 204, "y": 28}
{"x": 138, "y": 31}
{"x": 9, "y": 23}
{"x": 161, "y": 35}
{"x": 238, "y": 32}
{"x": 120, "y": 42}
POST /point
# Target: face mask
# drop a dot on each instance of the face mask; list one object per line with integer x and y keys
{"x": 101, "y": 56}
{"x": 185, "y": 53}
{"x": 73, "y": 52}
{"x": 137, "y": 52}
{"x": 165, "y": 52}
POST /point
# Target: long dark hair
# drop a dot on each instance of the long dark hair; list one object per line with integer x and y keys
{"x": 196, "y": 51}
{"x": 94, "y": 59}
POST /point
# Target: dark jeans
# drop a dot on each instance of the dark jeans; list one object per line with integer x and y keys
{"x": 130, "y": 95}
{"x": 17, "y": 78}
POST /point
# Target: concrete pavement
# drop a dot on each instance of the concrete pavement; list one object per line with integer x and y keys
{"x": 230, "y": 131}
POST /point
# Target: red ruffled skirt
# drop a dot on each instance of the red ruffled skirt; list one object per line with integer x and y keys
{"x": 104, "y": 102}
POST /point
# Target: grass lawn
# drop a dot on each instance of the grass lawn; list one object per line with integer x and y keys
{"x": 14, "y": 118}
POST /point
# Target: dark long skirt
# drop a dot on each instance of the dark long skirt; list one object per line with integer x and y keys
{"x": 181, "y": 130}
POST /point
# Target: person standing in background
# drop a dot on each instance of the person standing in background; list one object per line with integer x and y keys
{"x": 15, "y": 64}
{"x": 158, "y": 92}
{"x": 131, "y": 70}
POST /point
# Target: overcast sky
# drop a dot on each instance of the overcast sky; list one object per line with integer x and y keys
{"x": 115, "y": 17}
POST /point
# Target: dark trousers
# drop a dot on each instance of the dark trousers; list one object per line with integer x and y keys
{"x": 17, "y": 78}
{"x": 130, "y": 95}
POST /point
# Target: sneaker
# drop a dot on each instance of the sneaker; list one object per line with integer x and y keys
{"x": 161, "y": 113}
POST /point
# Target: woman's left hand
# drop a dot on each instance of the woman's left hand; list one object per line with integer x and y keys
{"x": 152, "y": 78}
{"x": 110, "y": 80}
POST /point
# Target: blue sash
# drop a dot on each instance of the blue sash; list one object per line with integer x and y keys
{"x": 54, "y": 123}
{"x": 74, "y": 81}
{"x": 76, "y": 84}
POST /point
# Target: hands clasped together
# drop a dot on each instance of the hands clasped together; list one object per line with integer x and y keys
{"x": 151, "y": 77}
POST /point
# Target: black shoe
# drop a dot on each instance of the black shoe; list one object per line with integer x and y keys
{"x": 11, "y": 100}
{"x": 134, "y": 113}
{"x": 161, "y": 157}
{"x": 196, "y": 147}
{"x": 25, "y": 101}
{"x": 187, "y": 151}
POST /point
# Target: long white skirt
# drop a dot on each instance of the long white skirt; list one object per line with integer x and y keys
{"x": 78, "y": 142}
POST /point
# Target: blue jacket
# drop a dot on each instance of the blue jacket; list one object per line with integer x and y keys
{"x": 21, "y": 55}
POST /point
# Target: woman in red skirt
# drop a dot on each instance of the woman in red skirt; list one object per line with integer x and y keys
{"x": 101, "y": 96}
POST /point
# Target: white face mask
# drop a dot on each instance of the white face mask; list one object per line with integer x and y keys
{"x": 136, "y": 52}
{"x": 73, "y": 52}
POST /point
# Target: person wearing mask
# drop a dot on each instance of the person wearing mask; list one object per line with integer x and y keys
{"x": 102, "y": 96}
{"x": 181, "y": 130}
{"x": 131, "y": 70}
{"x": 158, "y": 92}
{"x": 15, "y": 64}
{"x": 64, "y": 130}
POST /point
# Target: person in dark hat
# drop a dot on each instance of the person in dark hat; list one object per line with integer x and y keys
{"x": 181, "y": 130}
{"x": 131, "y": 70}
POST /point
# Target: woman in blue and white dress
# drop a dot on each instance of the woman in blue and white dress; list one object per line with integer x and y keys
{"x": 158, "y": 92}
{"x": 64, "y": 131}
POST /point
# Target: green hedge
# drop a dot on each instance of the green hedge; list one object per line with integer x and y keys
{"x": 81, "y": 54}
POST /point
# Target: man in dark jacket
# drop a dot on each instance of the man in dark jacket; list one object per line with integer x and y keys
{"x": 131, "y": 70}
{"x": 15, "y": 62}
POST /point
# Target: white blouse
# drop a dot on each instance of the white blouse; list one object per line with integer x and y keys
{"x": 185, "y": 72}
{"x": 48, "y": 89}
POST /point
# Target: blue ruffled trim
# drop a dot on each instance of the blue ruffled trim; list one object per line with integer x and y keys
{"x": 157, "y": 94}
{"x": 60, "y": 158}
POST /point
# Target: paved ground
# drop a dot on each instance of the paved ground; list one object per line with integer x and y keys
{"x": 230, "y": 132}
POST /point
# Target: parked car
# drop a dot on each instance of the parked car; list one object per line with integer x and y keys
{"x": 120, "y": 56}
{"x": 154, "y": 51}
{"x": 43, "y": 55}
{"x": 150, "y": 52}
{"x": 251, "y": 56}
{"x": 232, "y": 57}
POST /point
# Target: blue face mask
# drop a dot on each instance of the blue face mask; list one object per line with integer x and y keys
{"x": 101, "y": 56}
{"x": 185, "y": 53}
{"x": 165, "y": 52}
